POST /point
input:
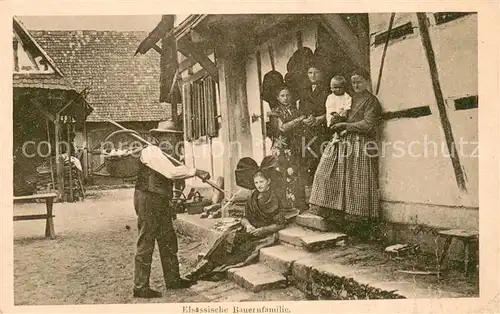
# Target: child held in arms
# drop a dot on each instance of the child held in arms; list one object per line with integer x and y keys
{"x": 337, "y": 104}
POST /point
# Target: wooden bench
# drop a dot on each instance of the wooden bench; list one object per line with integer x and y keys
{"x": 49, "y": 201}
{"x": 466, "y": 236}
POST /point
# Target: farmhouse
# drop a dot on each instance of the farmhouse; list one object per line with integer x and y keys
{"x": 429, "y": 101}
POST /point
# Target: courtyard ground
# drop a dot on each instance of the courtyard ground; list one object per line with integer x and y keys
{"x": 91, "y": 260}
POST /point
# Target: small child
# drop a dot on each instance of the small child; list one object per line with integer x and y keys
{"x": 337, "y": 104}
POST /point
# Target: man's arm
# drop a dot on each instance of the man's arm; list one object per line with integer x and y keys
{"x": 153, "y": 158}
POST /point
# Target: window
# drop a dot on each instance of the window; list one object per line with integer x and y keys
{"x": 444, "y": 17}
{"x": 201, "y": 108}
{"x": 396, "y": 32}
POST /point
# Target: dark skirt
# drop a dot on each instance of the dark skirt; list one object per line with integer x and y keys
{"x": 292, "y": 190}
{"x": 231, "y": 249}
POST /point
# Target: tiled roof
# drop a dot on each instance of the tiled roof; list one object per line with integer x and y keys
{"x": 46, "y": 81}
{"x": 122, "y": 87}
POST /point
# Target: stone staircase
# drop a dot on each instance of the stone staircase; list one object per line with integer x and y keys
{"x": 307, "y": 234}
{"x": 322, "y": 265}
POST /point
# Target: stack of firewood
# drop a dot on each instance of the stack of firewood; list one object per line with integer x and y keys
{"x": 44, "y": 179}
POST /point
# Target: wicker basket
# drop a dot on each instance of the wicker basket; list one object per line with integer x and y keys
{"x": 195, "y": 205}
{"x": 122, "y": 166}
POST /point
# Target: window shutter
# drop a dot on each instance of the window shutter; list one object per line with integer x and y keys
{"x": 203, "y": 114}
{"x": 188, "y": 111}
{"x": 211, "y": 108}
{"x": 195, "y": 113}
{"x": 199, "y": 101}
{"x": 206, "y": 111}
{"x": 200, "y": 108}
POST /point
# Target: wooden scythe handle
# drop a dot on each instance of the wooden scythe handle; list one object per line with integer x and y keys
{"x": 171, "y": 158}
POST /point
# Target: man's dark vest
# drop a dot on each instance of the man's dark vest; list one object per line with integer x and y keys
{"x": 313, "y": 102}
{"x": 151, "y": 181}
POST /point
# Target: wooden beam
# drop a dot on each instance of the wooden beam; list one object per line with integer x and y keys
{"x": 162, "y": 30}
{"x": 337, "y": 28}
{"x": 262, "y": 113}
{"x": 187, "y": 25}
{"x": 190, "y": 61}
{"x": 195, "y": 76}
{"x": 50, "y": 156}
{"x": 391, "y": 22}
{"x": 70, "y": 173}
{"x": 32, "y": 217}
{"x": 169, "y": 69}
{"x": 237, "y": 136}
{"x": 188, "y": 49}
{"x": 363, "y": 34}
{"x": 272, "y": 32}
{"x": 186, "y": 64}
{"x": 44, "y": 111}
{"x": 197, "y": 36}
{"x": 85, "y": 147}
{"x": 15, "y": 45}
{"x": 175, "y": 98}
{"x": 445, "y": 122}
{"x": 157, "y": 48}
{"x": 66, "y": 106}
{"x": 60, "y": 179}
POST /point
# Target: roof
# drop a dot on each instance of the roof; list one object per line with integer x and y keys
{"x": 33, "y": 45}
{"x": 54, "y": 80}
{"x": 161, "y": 31}
{"x": 32, "y": 83}
{"x": 121, "y": 87}
{"x": 45, "y": 81}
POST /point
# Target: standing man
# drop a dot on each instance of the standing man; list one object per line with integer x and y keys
{"x": 312, "y": 105}
{"x": 153, "y": 192}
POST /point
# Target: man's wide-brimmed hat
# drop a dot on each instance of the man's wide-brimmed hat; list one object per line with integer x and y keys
{"x": 166, "y": 127}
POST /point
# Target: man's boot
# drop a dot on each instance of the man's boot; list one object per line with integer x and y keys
{"x": 147, "y": 294}
{"x": 181, "y": 283}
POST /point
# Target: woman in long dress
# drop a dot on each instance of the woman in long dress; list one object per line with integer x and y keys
{"x": 287, "y": 133}
{"x": 239, "y": 245}
{"x": 345, "y": 188}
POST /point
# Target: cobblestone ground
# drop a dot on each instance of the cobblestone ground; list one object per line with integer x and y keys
{"x": 91, "y": 261}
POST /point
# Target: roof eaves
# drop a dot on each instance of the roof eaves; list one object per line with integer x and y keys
{"x": 188, "y": 24}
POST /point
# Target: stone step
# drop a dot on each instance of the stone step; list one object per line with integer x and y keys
{"x": 280, "y": 258}
{"x": 308, "y": 239}
{"x": 312, "y": 221}
{"x": 257, "y": 277}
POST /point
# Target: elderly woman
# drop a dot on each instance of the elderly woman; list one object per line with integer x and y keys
{"x": 345, "y": 186}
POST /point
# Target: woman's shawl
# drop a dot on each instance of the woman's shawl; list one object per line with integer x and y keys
{"x": 263, "y": 209}
{"x": 365, "y": 114}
